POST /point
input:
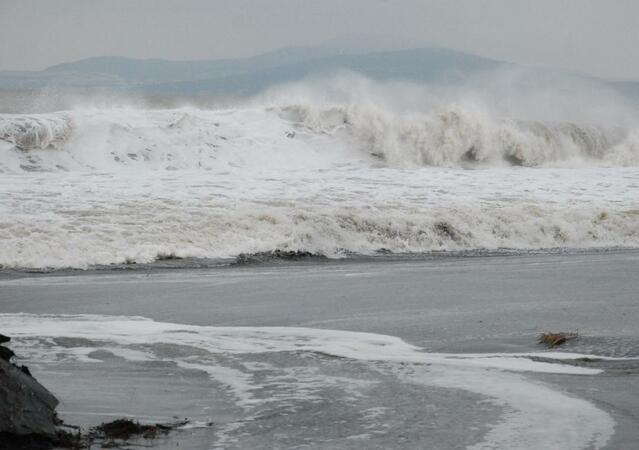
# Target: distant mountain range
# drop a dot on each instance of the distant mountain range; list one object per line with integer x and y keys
{"x": 245, "y": 76}
{"x": 248, "y": 75}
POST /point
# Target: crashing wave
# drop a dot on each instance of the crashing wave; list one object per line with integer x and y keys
{"x": 303, "y": 136}
{"x": 147, "y": 232}
{"x": 460, "y": 137}
{"x": 38, "y": 131}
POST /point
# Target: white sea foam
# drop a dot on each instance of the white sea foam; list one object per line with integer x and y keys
{"x": 567, "y": 422}
{"x": 358, "y": 175}
{"x": 302, "y": 135}
{"x": 72, "y": 220}
{"x": 140, "y": 140}
{"x": 37, "y": 131}
{"x": 466, "y": 136}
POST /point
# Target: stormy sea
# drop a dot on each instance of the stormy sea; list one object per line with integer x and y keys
{"x": 329, "y": 264}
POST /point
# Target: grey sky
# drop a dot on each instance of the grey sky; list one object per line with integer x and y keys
{"x": 594, "y": 36}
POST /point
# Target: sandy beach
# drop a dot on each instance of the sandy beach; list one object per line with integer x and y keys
{"x": 426, "y": 385}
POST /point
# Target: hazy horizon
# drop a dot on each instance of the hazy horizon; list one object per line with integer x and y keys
{"x": 592, "y": 37}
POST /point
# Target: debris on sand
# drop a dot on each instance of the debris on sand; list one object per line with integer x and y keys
{"x": 555, "y": 339}
{"x": 275, "y": 256}
{"x": 125, "y": 429}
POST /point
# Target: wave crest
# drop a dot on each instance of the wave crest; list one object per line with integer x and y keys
{"x": 304, "y": 136}
{"x": 466, "y": 136}
{"x": 40, "y": 131}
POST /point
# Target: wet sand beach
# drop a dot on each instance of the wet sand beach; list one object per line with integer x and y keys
{"x": 291, "y": 386}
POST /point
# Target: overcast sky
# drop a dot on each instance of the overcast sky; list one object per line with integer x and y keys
{"x": 600, "y": 37}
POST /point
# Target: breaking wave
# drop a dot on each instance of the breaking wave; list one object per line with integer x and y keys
{"x": 65, "y": 220}
{"x": 465, "y": 137}
{"x": 30, "y": 132}
{"x": 99, "y": 186}
{"x": 303, "y": 135}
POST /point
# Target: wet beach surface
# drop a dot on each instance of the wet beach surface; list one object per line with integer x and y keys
{"x": 301, "y": 399}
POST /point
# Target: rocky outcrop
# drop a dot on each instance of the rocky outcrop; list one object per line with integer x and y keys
{"x": 28, "y": 420}
{"x": 26, "y": 407}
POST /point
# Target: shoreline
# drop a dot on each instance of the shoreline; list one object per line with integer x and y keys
{"x": 450, "y": 305}
{"x": 300, "y": 258}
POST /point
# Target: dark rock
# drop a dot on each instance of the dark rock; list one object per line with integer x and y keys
{"x": 63, "y": 439}
{"x": 26, "y": 407}
{"x": 28, "y": 420}
{"x": 6, "y": 353}
{"x": 10, "y": 441}
{"x": 4, "y": 338}
{"x": 25, "y": 370}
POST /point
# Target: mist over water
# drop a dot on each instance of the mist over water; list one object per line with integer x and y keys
{"x": 509, "y": 118}
{"x": 336, "y": 166}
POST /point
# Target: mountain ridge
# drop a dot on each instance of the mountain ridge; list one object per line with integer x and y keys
{"x": 249, "y": 75}
{"x": 224, "y": 74}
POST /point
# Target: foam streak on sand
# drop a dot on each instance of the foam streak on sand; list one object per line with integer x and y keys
{"x": 567, "y": 422}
